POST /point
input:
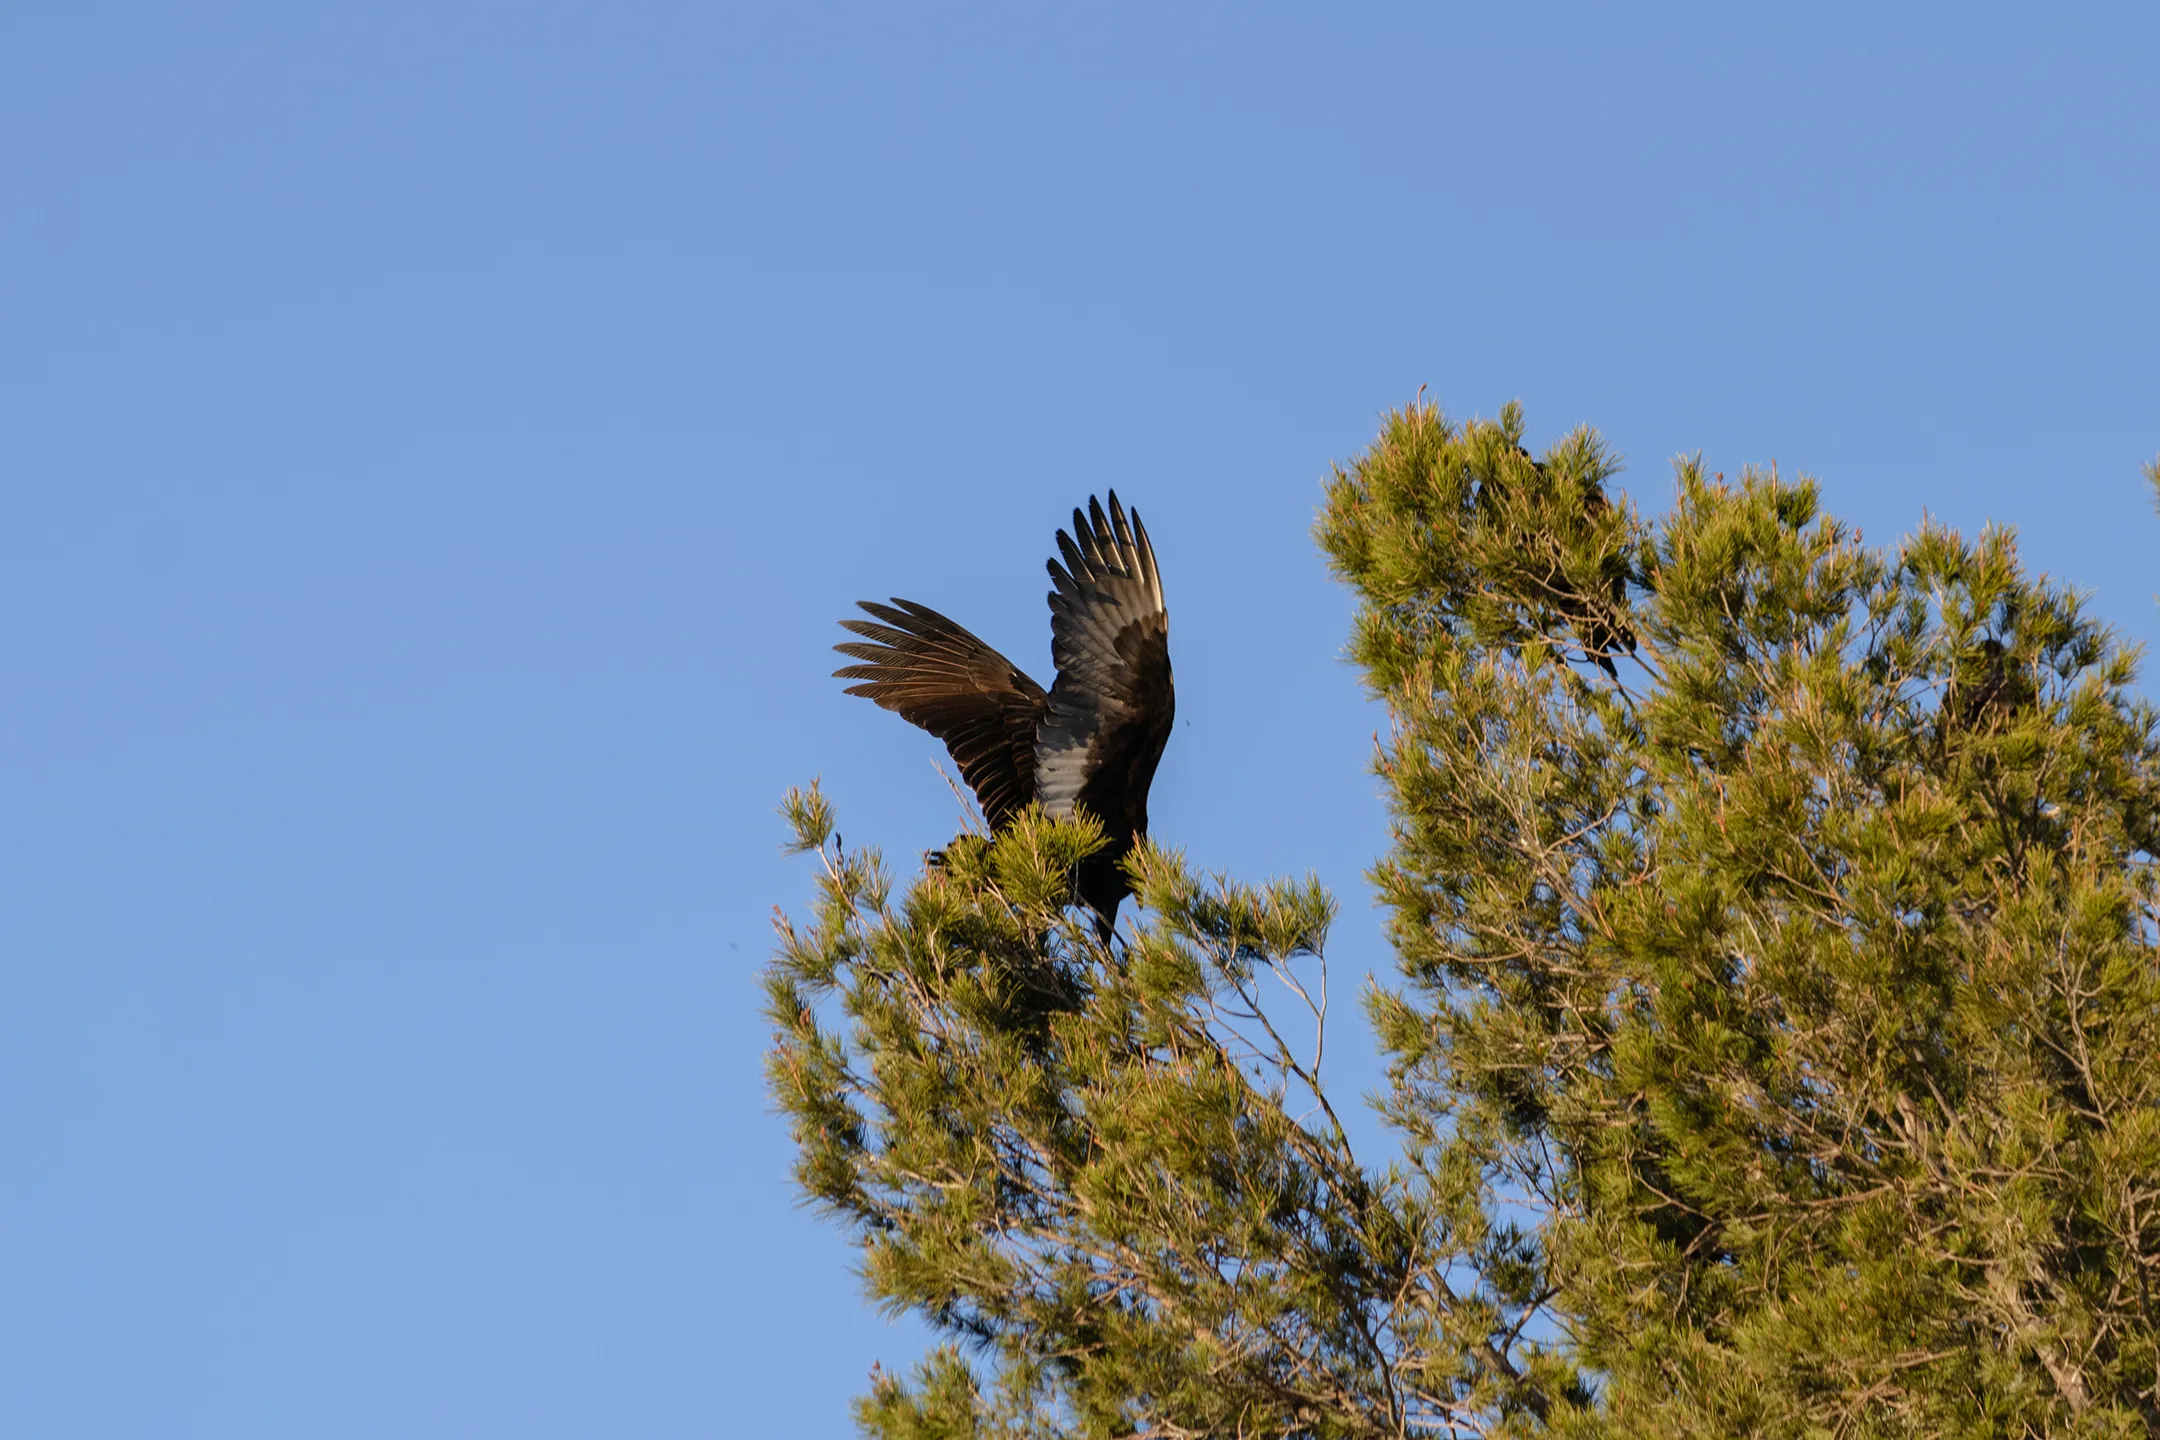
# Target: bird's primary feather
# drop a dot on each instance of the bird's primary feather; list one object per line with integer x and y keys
{"x": 934, "y": 674}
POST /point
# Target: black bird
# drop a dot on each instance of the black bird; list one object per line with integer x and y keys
{"x": 1092, "y": 741}
{"x": 1595, "y": 617}
{"x": 1985, "y": 691}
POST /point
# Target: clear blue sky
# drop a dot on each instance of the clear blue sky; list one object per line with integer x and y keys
{"x": 438, "y": 440}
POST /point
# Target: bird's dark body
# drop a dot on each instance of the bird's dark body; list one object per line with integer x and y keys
{"x": 1116, "y": 794}
{"x": 1985, "y": 692}
{"x": 1595, "y": 615}
{"x": 1091, "y": 742}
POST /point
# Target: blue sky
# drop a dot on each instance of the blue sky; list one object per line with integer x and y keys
{"x": 439, "y": 439}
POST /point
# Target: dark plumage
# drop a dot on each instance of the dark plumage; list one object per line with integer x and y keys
{"x": 1089, "y": 743}
{"x": 1597, "y": 615}
{"x": 1598, "y": 620}
{"x": 1985, "y": 691}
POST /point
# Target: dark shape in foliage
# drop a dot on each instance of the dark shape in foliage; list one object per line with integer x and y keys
{"x": 1092, "y": 741}
{"x": 1985, "y": 692}
{"x": 1595, "y": 616}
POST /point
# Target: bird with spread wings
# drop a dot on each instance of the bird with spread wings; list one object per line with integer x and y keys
{"x": 1089, "y": 743}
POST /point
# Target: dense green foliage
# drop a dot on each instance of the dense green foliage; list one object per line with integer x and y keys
{"x": 1115, "y": 1170}
{"x": 1804, "y": 986}
{"x": 1772, "y": 1045}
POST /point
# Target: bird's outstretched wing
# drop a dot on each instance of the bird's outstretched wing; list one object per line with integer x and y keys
{"x": 1111, "y": 708}
{"x": 935, "y": 674}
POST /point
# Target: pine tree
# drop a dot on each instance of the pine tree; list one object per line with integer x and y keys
{"x": 1773, "y": 1044}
